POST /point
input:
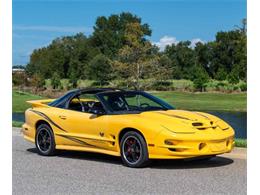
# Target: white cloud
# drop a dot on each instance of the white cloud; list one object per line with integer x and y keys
{"x": 168, "y": 40}
{"x": 195, "y": 41}
{"x": 71, "y": 29}
{"x": 164, "y": 41}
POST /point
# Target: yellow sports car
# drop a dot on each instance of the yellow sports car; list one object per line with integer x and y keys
{"x": 132, "y": 124}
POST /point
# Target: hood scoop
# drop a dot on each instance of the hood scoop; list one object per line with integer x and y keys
{"x": 197, "y": 124}
{"x": 201, "y": 126}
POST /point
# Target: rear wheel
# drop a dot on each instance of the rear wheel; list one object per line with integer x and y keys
{"x": 44, "y": 140}
{"x": 133, "y": 149}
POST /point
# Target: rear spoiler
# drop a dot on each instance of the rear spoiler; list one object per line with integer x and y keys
{"x": 40, "y": 103}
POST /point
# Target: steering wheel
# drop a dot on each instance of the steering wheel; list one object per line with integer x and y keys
{"x": 144, "y": 105}
{"x": 82, "y": 106}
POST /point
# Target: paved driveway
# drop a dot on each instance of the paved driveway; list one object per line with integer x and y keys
{"x": 89, "y": 173}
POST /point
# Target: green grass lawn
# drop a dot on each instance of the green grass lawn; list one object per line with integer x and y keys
{"x": 19, "y": 100}
{"x": 17, "y": 124}
{"x": 241, "y": 143}
{"x": 205, "y": 101}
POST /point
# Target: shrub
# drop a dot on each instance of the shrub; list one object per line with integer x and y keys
{"x": 228, "y": 88}
{"x": 19, "y": 79}
{"x": 99, "y": 84}
{"x": 243, "y": 87}
{"x": 48, "y": 83}
{"x": 211, "y": 85}
{"x": 161, "y": 85}
{"x": 221, "y": 86}
{"x": 84, "y": 83}
{"x": 119, "y": 84}
{"x": 65, "y": 84}
{"x": 182, "y": 85}
{"x": 233, "y": 78}
{"x": 55, "y": 80}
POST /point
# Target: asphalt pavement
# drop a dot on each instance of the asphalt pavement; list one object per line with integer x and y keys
{"x": 89, "y": 173}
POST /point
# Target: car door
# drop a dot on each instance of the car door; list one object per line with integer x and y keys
{"x": 84, "y": 128}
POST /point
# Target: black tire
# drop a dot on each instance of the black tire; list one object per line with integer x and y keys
{"x": 44, "y": 140}
{"x": 133, "y": 149}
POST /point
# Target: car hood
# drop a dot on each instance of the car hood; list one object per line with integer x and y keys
{"x": 180, "y": 121}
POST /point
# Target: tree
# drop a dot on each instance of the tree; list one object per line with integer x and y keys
{"x": 135, "y": 61}
{"x": 100, "y": 69}
{"x": 233, "y": 76}
{"x": 229, "y": 53}
{"x": 243, "y": 27}
{"x": 183, "y": 59}
{"x": 66, "y": 56}
{"x": 109, "y": 32}
{"x": 203, "y": 56}
{"x": 162, "y": 69}
{"x": 121, "y": 41}
{"x": 221, "y": 74}
{"x": 18, "y": 67}
{"x": 73, "y": 77}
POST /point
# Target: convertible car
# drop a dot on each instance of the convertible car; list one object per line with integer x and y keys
{"x": 132, "y": 124}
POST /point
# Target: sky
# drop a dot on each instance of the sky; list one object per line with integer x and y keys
{"x": 37, "y": 22}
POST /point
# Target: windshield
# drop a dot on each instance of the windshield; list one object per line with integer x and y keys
{"x": 132, "y": 102}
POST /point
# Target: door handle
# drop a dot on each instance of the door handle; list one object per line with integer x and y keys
{"x": 63, "y": 117}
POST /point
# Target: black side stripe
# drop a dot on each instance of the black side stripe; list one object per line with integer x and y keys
{"x": 79, "y": 141}
{"x": 202, "y": 115}
{"x": 91, "y": 139}
{"x": 176, "y": 116}
{"x": 47, "y": 118}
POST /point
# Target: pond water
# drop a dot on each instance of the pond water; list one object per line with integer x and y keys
{"x": 18, "y": 117}
{"x": 238, "y": 120}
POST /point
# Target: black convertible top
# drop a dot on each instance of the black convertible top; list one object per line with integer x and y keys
{"x": 64, "y": 100}
{"x": 96, "y": 90}
{"x": 59, "y": 102}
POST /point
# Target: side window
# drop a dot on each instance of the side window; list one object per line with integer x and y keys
{"x": 76, "y": 104}
{"x": 138, "y": 100}
{"x": 85, "y": 103}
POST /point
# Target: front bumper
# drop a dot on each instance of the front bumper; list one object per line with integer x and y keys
{"x": 188, "y": 146}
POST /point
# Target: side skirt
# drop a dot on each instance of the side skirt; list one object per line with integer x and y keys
{"x": 86, "y": 149}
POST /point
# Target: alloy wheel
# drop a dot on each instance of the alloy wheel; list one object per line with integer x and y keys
{"x": 132, "y": 150}
{"x": 44, "y": 140}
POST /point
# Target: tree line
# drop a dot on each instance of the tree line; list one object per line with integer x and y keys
{"x": 119, "y": 48}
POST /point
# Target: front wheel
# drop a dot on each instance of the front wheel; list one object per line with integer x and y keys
{"x": 133, "y": 150}
{"x": 44, "y": 140}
